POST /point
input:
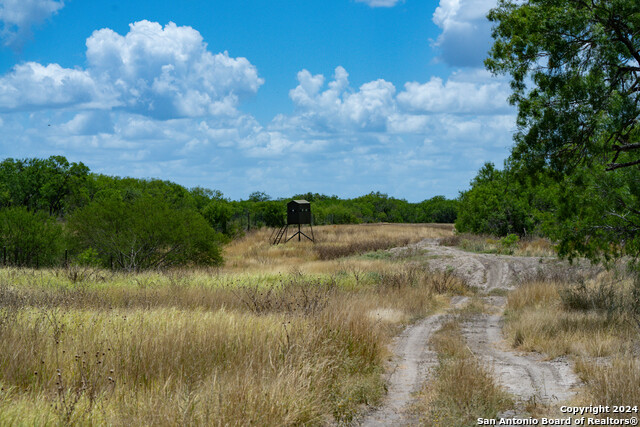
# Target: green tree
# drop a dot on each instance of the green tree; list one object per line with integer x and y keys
{"x": 597, "y": 214}
{"x": 489, "y": 206}
{"x": 582, "y": 58}
{"x": 503, "y": 202}
{"x": 438, "y": 209}
{"x": 274, "y": 214}
{"x": 202, "y": 196}
{"x": 259, "y": 196}
{"x": 575, "y": 70}
{"x": 218, "y": 214}
{"x": 41, "y": 184}
{"x": 145, "y": 232}
{"x": 30, "y": 238}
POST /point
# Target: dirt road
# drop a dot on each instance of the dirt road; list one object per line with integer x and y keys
{"x": 411, "y": 365}
{"x": 525, "y": 376}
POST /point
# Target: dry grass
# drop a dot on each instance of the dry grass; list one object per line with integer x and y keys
{"x": 169, "y": 367}
{"x": 544, "y": 317}
{"x": 254, "y": 252}
{"x": 462, "y": 390}
{"x": 616, "y": 382}
{"x": 301, "y": 342}
{"x": 592, "y": 322}
{"x": 535, "y": 246}
{"x": 530, "y": 246}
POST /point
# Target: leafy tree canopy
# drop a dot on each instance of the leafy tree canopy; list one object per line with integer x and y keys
{"x": 29, "y": 238}
{"x": 259, "y": 196}
{"x": 575, "y": 69}
{"x": 41, "y": 184}
{"x": 145, "y": 232}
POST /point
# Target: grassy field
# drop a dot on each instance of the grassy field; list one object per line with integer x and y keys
{"x": 287, "y": 335}
{"x": 294, "y": 334}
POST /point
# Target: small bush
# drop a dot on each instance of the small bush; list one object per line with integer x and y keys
{"x": 88, "y": 258}
{"x": 582, "y": 297}
{"x": 509, "y": 242}
{"x": 297, "y": 294}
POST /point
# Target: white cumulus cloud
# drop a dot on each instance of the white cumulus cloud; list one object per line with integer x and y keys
{"x": 376, "y": 107}
{"x": 18, "y": 16}
{"x": 454, "y": 96}
{"x": 30, "y": 86}
{"x": 159, "y": 72}
{"x": 339, "y": 107}
{"x": 466, "y": 32}
{"x": 168, "y": 72}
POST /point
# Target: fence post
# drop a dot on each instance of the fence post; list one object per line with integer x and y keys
{"x": 111, "y": 261}
{"x": 248, "y": 221}
{"x": 66, "y": 257}
{"x": 4, "y": 256}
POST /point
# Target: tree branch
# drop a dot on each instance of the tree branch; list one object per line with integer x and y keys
{"x": 626, "y": 147}
{"x": 625, "y": 41}
{"x": 614, "y": 166}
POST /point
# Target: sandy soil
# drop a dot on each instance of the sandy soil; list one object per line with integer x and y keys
{"x": 410, "y": 367}
{"x": 525, "y": 376}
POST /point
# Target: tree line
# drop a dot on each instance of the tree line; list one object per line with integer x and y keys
{"x": 52, "y": 209}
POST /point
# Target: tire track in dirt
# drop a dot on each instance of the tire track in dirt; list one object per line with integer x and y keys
{"x": 526, "y": 376}
{"x": 484, "y": 271}
{"x": 412, "y": 362}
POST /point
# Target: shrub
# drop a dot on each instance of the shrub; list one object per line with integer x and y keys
{"x": 509, "y": 242}
{"x": 145, "y": 232}
{"x": 31, "y": 238}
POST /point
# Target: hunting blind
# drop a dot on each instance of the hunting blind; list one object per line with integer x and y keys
{"x": 298, "y": 213}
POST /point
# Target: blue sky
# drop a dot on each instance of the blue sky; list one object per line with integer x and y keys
{"x": 338, "y": 97}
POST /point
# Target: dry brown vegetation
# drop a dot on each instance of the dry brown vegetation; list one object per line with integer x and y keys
{"x": 293, "y": 334}
{"x": 593, "y": 321}
{"x": 461, "y": 390}
{"x": 277, "y": 337}
{"x": 254, "y": 253}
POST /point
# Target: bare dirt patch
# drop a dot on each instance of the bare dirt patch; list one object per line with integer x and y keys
{"x": 484, "y": 271}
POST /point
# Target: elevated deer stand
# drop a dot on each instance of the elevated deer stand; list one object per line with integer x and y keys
{"x": 298, "y": 213}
